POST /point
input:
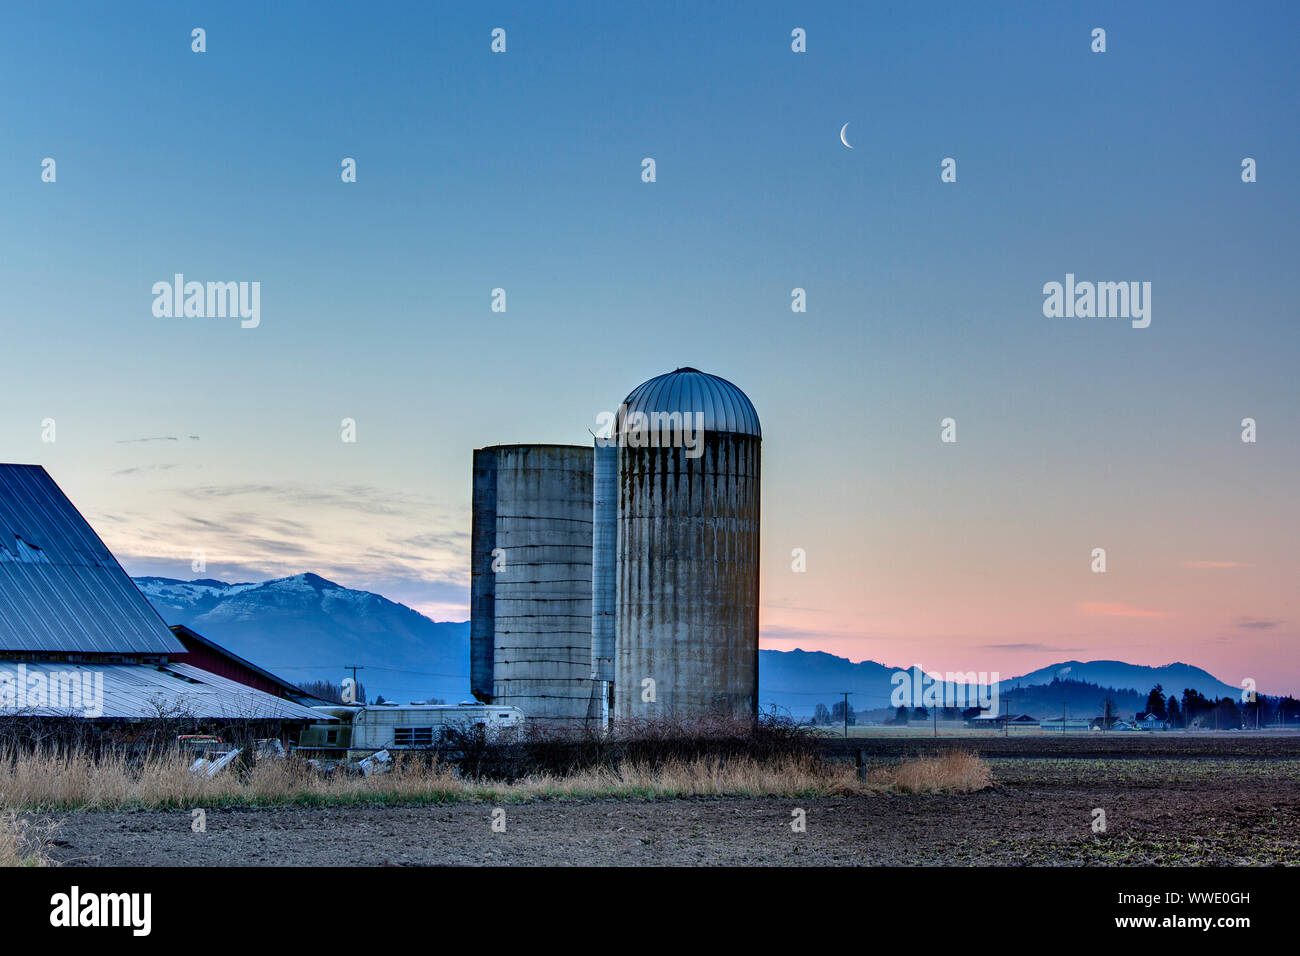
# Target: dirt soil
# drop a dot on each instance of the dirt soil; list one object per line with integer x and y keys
{"x": 1204, "y": 810}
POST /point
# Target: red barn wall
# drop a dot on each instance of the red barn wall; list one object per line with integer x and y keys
{"x": 202, "y": 657}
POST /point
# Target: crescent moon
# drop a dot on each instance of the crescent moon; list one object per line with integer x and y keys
{"x": 842, "y": 139}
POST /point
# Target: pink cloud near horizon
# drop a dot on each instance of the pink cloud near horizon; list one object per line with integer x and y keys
{"x": 1097, "y": 609}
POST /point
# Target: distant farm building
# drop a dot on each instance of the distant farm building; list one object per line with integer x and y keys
{"x": 1152, "y": 722}
{"x": 1007, "y": 722}
{"x": 78, "y": 639}
{"x": 1067, "y": 725}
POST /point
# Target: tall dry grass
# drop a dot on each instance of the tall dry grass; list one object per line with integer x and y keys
{"x": 50, "y": 780}
{"x": 953, "y": 771}
{"x": 22, "y": 843}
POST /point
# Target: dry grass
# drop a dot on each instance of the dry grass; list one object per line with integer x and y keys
{"x": 953, "y": 771}
{"x": 22, "y": 843}
{"x": 45, "y": 781}
{"x": 704, "y": 776}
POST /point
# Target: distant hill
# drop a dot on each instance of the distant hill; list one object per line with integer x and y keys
{"x": 1075, "y": 698}
{"x": 307, "y": 628}
{"x": 799, "y": 680}
{"x": 1173, "y": 677}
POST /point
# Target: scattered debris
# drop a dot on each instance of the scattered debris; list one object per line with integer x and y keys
{"x": 270, "y": 748}
{"x": 210, "y": 768}
{"x": 380, "y": 762}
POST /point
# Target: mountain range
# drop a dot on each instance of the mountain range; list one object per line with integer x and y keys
{"x": 790, "y": 679}
{"x": 307, "y": 628}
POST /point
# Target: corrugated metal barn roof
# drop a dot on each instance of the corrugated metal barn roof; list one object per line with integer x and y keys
{"x": 60, "y": 588}
{"x": 145, "y": 690}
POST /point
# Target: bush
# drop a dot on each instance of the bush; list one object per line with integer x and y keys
{"x": 647, "y": 744}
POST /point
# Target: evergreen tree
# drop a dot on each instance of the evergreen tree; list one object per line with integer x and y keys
{"x": 1156, "y": 702}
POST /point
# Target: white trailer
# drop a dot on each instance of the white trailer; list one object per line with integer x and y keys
{"x": 393, "y": 727}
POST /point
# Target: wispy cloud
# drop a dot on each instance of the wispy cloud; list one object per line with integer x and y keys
{"x": 364, "y": 498}
{"x": 433, "y": 541}
{"x": 777, "y": 633}
{"x": 1255, "y": 624}
{"x": 1031, "y": 646}
{"x": 1095, "y": 609}
{"x": 140, "y": 469}
{"x": 133, "y": 441}
{"x": 407, "y": 547}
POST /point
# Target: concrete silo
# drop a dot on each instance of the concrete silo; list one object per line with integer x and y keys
{"x": 686, "y": 602}
{"x": 530, "y": 600}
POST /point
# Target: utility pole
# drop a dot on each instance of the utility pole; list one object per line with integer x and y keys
{"x": 846, "y": 713}
{"x": 356, "y": 685}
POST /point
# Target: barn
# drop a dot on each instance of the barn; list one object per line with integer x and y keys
{"x": 79, "y": 640}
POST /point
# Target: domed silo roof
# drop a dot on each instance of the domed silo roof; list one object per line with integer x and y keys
{"x": 726, "y": 408}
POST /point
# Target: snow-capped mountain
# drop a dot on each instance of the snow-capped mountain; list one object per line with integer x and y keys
{"x": 306, "y": 628}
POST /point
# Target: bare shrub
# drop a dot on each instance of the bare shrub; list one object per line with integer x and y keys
{"x": 559, "y": 750}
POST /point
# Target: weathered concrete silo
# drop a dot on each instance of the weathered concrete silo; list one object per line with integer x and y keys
{"x": 687, "y": 549}
{"x": 530, "y": 600}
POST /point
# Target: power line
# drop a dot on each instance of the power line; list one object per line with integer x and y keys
{"x": 373, "y": 667}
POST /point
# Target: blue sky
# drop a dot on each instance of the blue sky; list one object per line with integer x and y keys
{"x": 522, "y": 171}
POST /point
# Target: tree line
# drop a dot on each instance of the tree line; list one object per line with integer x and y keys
{"x": 1194, "y": 709}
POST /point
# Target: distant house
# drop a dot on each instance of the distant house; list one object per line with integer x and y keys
{"x": 79, "y": 639}
{"x": 1151, "y": 722}
{"x": 1112, "y": 723}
